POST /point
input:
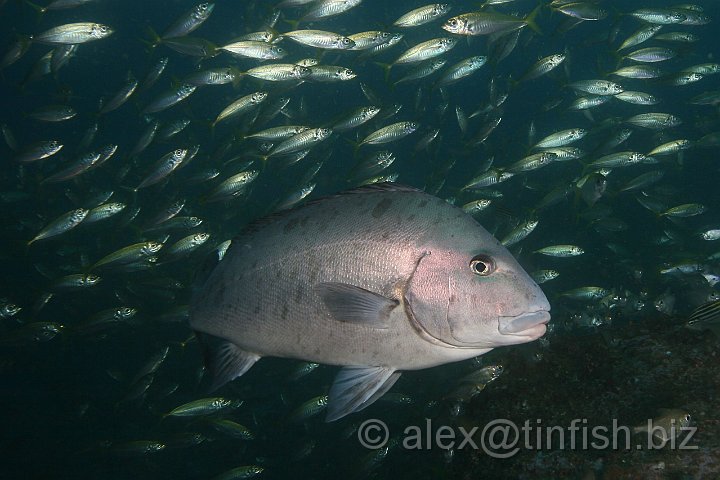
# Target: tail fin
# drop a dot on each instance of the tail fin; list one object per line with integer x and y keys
{"x": 40, "y": 10}
{"x": 386, "y": 67}
{"x": 530, "y": 20}
{"x": 134, "y": 190}
{"x": 154, "y": 40}
{"x": 238, "y": 76}
{"x": 356, "y": 145}
{"x": 512, "y": 83}
{"x": 293, "y": 23}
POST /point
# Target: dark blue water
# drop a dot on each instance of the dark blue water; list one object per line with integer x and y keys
{"x": 64, "y": 405}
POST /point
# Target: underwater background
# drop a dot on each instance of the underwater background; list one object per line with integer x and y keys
{"x": 86, "y": 391}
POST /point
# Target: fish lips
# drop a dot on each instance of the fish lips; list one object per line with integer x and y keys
{"x": 529, "y": 324}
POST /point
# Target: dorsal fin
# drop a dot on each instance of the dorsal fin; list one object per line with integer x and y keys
{"x": 372, "y": 188}
{"x": 379, "y": 187}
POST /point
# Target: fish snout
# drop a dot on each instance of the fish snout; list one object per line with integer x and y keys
{"x": 529, "y": 324}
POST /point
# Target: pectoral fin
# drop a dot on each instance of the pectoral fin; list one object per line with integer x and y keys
{"x": 224, "y": 360}
{"x": 355, "y": 388}
{"x": 351, "y": 304}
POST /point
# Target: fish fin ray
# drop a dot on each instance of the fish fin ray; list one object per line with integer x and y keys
{"x": 224, "y": 360}
{"x": 351, "y": 304}
{"x": 380, "y": 391}
{"x": 373, "y": 188}
{"x": 530, "y": 20}
{"x": 357, "y": 387}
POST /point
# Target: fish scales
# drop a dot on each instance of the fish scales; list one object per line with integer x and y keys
{"x": 277, "y": 290}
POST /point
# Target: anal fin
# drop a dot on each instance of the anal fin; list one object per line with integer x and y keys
{"x": 357, "y": 387}
{"x": 224, "y": 360}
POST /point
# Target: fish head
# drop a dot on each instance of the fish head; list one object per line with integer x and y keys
{"x": 259, "y": 97}
{"x": 578, "y": 133}
{"x": 200, "y": 238}
{"x": 192, "y": 222}
{"x": 90, "y": 279}
{"x": 369, "y": 112}
{"x": 395, "y": 39}
{"x": 299, "y": 71}
{"x": 345, "y": 73}
{"x": 411, "y": 126}
{"x": 383, "y": 37}
{"x": 438, "y": 63}
{"x": 266, "y": 36}
{"x": 440, "y": 9}
{"x": 615, "y": 89}
{"x": 323, "y": 133}
{"x": 124, "y": 313}
{"x": 9, "y": 310}
{"x": 78, "y": 215}
{"x": 178, "y": 154}
{"x": 344, "y": 43}
{"x": 447, "y": 43}
{"x": 665, "y": 303}
{"x": 277, "y": 52}
{"x": 307, "y": 62}
{"x": 474, "y": 294}
{"x": 202, "y": 11}
{"x": 99, "y": 31}
{"x": 547, "y": 157}
{"x": 674, "y": 17}
{"x": 455, "y": 25}
{"x": 228, "y": 75}
{"x": 477, "y": 61}
{"x": 185, "y": 90}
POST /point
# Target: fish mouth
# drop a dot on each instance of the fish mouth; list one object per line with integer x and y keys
{"x": 529, "y": 324}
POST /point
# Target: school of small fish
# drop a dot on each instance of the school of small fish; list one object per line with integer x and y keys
{"x": 581, "y": 134}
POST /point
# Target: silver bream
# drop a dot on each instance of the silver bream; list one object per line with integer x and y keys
{"x": 380, "y": 279}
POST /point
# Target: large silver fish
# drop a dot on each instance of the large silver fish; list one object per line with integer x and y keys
{"x": 379, "y": 279}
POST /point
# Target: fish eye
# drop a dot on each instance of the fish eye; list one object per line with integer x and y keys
{"x": 482, "y": 265}
{"x": 452, "y": 22}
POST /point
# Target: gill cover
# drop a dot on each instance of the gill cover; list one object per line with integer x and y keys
{"x": 446, "y": 301}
